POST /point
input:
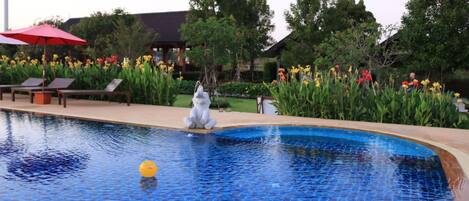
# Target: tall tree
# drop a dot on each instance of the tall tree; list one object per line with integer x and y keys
{"x": 213, "y": 43}
{"x": 98, "y": 30}
{"x": 252, "y": 20}
{"x": 435, "y": 35}
{"x": 132, "y": 41}
{"x": 313, "y": 21}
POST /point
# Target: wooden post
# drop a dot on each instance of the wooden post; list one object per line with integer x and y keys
{"x": 182, "y": 59}
{"x": 165, "y": 54}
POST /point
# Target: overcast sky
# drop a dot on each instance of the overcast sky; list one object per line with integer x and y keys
{"x": 24, "y": 13}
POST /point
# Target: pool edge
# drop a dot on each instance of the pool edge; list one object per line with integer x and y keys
{"x": 456, "y": 175}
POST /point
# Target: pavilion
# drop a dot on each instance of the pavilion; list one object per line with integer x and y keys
{"x": 168, "y": 46}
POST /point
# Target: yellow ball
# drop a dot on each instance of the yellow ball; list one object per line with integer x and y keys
{"x": 148, "y": 169}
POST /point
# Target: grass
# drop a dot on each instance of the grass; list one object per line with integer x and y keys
{"x": 236, "y": 104}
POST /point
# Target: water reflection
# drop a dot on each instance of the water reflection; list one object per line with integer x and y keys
{"x": 9, "y": 146}
{"x": 49, "y": 164}
{"x": 148, "y": 184}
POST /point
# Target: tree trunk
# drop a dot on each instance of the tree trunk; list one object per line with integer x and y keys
{"x": 251, "y": 68}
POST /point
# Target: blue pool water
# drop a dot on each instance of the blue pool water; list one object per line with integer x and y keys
{"x": 48, "y": 158}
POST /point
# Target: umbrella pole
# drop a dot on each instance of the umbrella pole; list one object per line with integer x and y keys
{"x": 44, "y": 69}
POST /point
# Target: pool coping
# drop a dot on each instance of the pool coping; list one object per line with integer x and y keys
{"x": 449, "y": 156}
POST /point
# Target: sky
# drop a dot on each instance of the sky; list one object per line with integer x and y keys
{"x": 24, "y": 13}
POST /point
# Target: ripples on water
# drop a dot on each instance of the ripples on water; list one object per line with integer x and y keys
{"x": 47, "y": 158}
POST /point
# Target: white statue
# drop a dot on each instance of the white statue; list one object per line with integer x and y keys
{"x": 200, "y": 113}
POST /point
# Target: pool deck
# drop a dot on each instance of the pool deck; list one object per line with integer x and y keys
{"x": 452, "y": 145}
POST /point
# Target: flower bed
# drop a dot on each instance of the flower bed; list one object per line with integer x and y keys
{"x": 355, "y": 96}
{"x": 148, "y": 83}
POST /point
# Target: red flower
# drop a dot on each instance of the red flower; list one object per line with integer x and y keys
{"x": 100, "y": 61}
{"x": 405, "y": 83}
{"x": 366, "y": 76}
{"x": 113, "y": 59}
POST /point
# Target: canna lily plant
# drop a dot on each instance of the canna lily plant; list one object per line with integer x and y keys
{"x": 356, "y": 96}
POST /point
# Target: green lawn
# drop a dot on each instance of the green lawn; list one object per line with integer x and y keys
{"x": 237, "y": 104}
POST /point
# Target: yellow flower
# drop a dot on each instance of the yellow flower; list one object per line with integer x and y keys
{"x": 437, "y": 86}
{"x": 307, "y": 69}
{"x": 317, "y": 83}
{"x": 457, "y": 95}
{"x": 333, "y": 71}
{"x": 22, "y": 62}
{"x": 350, "y": 69}
{"x": 13, "y": 62}
{"x": 5, "y": 58}
{"x": 305, "y": 82}
{"x": 405, "y": 86}
{"x": 147, "y": 58}
{"x": 55, "y": 57}
{"x": 425, "y": 82}
{"x": 53, "y": 63}
{"x": 126, "y": 63}
{"x": 78, "y": 64}
{"x": 34, "y": 62}
{"x": 141, "y": 66}
{"x": 295, "y": 70}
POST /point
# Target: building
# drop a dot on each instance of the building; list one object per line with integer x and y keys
{"x": 168, "y": 46}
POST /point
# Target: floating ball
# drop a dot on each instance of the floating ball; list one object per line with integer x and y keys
{"x": 148, "y": 169}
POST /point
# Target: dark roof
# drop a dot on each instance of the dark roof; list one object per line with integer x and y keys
{"x": 166, "y": 24}
{"x": 276, "y": 49}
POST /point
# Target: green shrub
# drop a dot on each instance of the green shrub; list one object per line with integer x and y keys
{"x": 330, "y": 95}
{"x": 219, "y": 103}
{"x": 187, "y": 87}
{"x": 148, "y": 84}
{"x": 243, "y": 89}
{"x": 270, "y": 72}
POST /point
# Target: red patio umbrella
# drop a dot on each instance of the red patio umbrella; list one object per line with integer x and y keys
{"x": 44, "y": 35}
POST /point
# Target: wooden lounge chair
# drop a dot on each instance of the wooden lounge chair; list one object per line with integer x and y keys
{"x": 30, "y": 82}
{"x": 108, "y": 91}
{"x": 54, "y": 86}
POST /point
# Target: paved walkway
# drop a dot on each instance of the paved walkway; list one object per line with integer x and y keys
{"x": 454, "y": 141}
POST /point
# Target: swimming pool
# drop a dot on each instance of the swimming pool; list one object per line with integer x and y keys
{"x": 48, "y": 158}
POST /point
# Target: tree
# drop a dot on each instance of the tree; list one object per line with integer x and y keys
{"x": 98, "y": 30}
{"x": 132, "y": 41}
{"x": 359, "y": 46}
{"x": 252, "y": 20}
{"x": 435, "y": 35}
{"x": 313, "y": 21}
{"x": 213, "y": 43}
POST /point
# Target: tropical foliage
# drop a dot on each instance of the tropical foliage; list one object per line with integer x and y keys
{"x": 435, "y": 34}
{"x": 147, "y": 82}
{"x": 252, "y": 20}
{"x": 113, "y": 33}
{"x": 213, "y": 44}
{"x": 355, "y": 96}
{"x": 313, "y": 21}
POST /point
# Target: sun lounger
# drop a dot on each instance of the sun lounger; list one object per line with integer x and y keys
{"x": 30, "y": 82}
{"x": 108, "y": 91}
{"x": 54, "y": 86}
